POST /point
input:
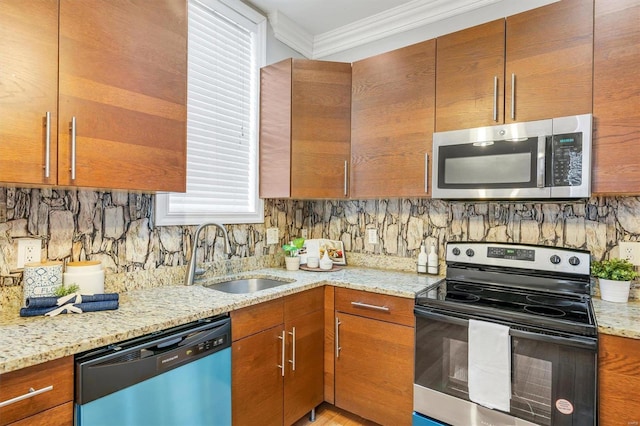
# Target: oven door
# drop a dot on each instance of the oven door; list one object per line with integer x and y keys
{"x": 553, "y": 379}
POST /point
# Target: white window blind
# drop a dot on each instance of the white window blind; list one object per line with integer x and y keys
{"x": 225, "y": 53}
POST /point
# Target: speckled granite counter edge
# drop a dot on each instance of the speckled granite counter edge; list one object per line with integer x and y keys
{"x": 29, "y": 341}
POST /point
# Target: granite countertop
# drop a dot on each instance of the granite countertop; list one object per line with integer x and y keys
{"x": 29, "y": 341}
{"x": 618, "y": 319}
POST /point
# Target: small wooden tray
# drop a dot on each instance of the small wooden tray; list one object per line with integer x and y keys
{"x": 333, "y": 268}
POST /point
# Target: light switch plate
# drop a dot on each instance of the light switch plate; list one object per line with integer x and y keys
{"x": 272, "y": 236}
{"x": 630, "y": 250}
{"x": 372, "y": 235}
{"x": 29, "y": 250}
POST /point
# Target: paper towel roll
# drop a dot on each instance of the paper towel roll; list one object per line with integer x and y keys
{"x": 41, "y": 279}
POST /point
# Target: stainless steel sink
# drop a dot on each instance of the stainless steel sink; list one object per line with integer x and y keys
{"x": 247, "y": 285}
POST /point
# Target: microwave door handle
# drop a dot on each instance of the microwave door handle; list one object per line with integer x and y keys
{"x": 541, "y": 172}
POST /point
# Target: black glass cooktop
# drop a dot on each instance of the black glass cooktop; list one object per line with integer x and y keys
{"x": 551, "y": 311}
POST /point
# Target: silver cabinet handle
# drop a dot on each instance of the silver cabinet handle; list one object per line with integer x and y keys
{"x": 367, "y": 306}
{"x": 426, "y": 172}
{"x": 281, "y": 366}
{"x": 513, "y": 96}
{"x": 72, "y": 128}
{"x": 495, "y": 98}
{"x": 338, "y": 338}
{"x": 346, "y": 171}
{"x": 47, "y": 154}
{"x": 293, "y": 348}
{"x": 27, "y": 395}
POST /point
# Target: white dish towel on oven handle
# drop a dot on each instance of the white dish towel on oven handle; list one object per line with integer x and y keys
{"x": 489, "y": 365}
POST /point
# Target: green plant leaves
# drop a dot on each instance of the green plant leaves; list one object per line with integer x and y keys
{"x": 613, "y": 269}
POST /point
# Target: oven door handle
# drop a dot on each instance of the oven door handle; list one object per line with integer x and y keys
{"x": 575, "y": 341}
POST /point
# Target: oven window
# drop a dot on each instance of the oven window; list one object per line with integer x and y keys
{"x": 531, "y": 388}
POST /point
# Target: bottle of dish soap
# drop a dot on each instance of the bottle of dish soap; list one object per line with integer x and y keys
{"x": 432, "y": 261}
{"x": 422, "y": 260}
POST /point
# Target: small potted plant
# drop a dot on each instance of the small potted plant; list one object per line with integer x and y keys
{"x": 614, "y": 278}
{"x": 291, "y": 259}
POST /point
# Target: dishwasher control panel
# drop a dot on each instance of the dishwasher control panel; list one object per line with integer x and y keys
{"x": 180, "y": 355}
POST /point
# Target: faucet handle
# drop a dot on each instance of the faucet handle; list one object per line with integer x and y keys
{"x": 200, "y": 271}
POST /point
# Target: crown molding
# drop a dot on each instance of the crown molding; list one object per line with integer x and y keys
{"x": 399, "y": 19}
{"x": 408, "y": 16}
{"x": 288, "y": 32}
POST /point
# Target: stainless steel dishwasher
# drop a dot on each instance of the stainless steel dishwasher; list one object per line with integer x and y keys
{"x": 180, "y": 376}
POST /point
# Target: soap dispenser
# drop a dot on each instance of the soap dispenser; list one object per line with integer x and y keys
{"x": 422, "y": 260}
{"x": 432, "y": 261}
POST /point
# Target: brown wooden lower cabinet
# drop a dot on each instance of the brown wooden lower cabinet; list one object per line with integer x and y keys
{"x": 374, "y": 359}
{"x": 277, "y": 372}
{"x": 618, "y": 381}
{"x": 52, "y": 407}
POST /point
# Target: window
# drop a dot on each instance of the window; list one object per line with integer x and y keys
{"x": 226, "y": 49}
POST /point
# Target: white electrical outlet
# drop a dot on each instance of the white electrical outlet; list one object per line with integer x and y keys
{"x": 304, "y": 234}
{"x": 372, "y": 235}
{"x": 29, "y": 250}
{"x": 630, "y": 250}
{"x": 272, "y": 236}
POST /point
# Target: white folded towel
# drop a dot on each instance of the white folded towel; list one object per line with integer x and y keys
{"x": 489, "y": 365}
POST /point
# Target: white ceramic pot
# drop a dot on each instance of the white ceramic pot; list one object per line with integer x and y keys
{"x": 292, "y": 263}
{"x": 614, "y": 291}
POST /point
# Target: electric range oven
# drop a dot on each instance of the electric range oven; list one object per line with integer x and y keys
{"x": 509, "y": 337}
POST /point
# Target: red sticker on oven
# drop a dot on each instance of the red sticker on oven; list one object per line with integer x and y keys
{"x": 564, "y": 406}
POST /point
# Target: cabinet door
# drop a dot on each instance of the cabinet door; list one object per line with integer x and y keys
{"x": 256, "y": 378}
{"x": 28, "y": 90}
{"x": 123, "y": 77}
{"x": 618, "y": 376}
{"x": 392, "y": 122}
{"x": 374, "y": 369}
{"x": 616, "y": 97}
{"x": 303, "y": 385}
{"x": 320, "y": 129}
{"x": 469, "y": 77}
{"x": 549, "y": 56}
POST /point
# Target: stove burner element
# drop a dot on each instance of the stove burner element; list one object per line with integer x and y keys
{"x": 462, "y": 297}
{"x": 548, "y": 301}
{"x": 547, "y": 311}
{"x": 467, "y": 288}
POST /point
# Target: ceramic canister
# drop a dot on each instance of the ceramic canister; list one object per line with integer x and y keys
{"x": 87, "y": 275}
{"x": 41, "y": 279}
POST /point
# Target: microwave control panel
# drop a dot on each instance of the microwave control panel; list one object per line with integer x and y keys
{"x": 565, "y": 168}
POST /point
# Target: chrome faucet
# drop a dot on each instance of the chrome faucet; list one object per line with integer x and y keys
{"x": 191, "y": 270}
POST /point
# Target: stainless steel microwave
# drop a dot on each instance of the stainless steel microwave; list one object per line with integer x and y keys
{"x": 531, "y": 160}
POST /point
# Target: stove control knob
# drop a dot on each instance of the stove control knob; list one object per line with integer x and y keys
{"x": 555, "y": 259}
{"x": 470, "y": 252}
{"x": 455, "y": 251}
{"x": 574, "y": 261}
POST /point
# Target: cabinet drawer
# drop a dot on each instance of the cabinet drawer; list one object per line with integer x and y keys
{"x": 253, "y": 319}
{"x": 299, "y": 304}
{"x": 383, "y": 307}
{"x": 56, "y": 375}
{"x": 62, "y": 415}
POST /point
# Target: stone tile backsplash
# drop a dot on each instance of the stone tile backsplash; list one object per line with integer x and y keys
{"x": 118, "y": 229}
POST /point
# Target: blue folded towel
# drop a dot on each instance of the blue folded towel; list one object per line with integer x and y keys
{"x": 47, "y": 302}
{"x": 105, "y": 305}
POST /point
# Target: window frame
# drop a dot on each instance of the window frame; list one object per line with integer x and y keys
{"x": 247, "y": 17}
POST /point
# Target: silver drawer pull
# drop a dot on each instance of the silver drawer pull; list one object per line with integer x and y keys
{"x": 47, "y": 155}
{"x": 367, "y": 306}
{"x": 27, "y": 395}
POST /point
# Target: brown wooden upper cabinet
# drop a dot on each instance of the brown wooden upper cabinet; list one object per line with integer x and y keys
{"x": 392, "y": 122}
{"x": 616, "y": 97}
{"x": 529, "y": 66}
{"x": 305, "y": 129}
{"x": 93, "y": 94}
